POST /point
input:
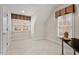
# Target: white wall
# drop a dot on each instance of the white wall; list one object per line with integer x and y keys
{"x": 1, "y": 29}
{"x": 77, "y": 21}
{"x": 51, "y": 33}
{"x": 33, "y": 19}
{"x": 39, "y": 24}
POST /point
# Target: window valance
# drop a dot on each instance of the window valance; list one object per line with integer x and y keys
{"x": 67, "y": 10}
{"x": 21, "y": 17}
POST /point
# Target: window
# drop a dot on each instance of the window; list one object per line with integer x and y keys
{"x": 65, "y": 24}
{"x": 21, "y": 23}
{"x": 65, "y": 21}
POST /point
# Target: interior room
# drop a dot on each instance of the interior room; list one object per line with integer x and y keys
{"x": 39, "y": 29}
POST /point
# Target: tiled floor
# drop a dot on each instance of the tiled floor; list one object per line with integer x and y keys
{"x": 33, "y": 47}
{"x": 23, "y": 44}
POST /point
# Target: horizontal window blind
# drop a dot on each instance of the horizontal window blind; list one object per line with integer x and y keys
{"x": 21, "y": 17}
{"x": 67, "y": 10}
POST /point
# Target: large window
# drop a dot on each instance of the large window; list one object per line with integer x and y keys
{"x": 65, "y": 24}
{"x": 21, "y": 23}
{"x": 65, "y": 21}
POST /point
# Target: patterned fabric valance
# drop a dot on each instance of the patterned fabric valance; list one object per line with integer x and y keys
{"x": 21, "y": 17}
{"x": 67, "y": 10}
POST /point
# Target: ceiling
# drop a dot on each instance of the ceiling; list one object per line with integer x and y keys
{"x": 26, "y": 9}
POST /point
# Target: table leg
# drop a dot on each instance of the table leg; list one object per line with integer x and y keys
{"x": 62, "y": 48}
{"x": 74, "y": 52}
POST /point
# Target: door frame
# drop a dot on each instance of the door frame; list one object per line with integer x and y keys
{"x": 2, "y": 15}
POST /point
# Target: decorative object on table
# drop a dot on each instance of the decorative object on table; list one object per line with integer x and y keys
{"x": 66, "y": 37}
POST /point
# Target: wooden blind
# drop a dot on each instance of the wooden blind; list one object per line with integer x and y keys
{"x": 70, "y": 9}
{"x": 21, "y": 17}
{"x": 58, "y": 13}
{"x": 67, "y": 10}
{"x": 62, "y": 12}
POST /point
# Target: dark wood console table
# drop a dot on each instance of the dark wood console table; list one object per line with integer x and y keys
{"x": 74, "y": 44}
